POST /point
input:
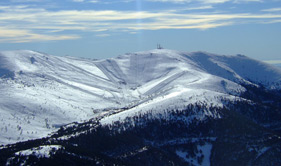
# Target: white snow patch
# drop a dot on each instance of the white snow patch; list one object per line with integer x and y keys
{"x": 206, "y": 154}
{"x": 206, "y": 149}
{"x": 183, "y": 155}
{"x": 41, "y": 151}
{"x": 262, "y": 151}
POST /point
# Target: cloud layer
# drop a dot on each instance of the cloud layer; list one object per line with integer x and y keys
{"x": 24, "y": 23}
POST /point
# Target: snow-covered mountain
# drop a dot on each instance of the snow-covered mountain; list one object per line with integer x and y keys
{"x": 41, "y": 92}
{"x": 159, "y": 107}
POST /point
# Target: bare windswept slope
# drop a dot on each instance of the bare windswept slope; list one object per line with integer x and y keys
{"x": 40, "y": 92}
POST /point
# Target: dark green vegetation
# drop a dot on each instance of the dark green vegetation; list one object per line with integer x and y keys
{"x": 247, "y": 133}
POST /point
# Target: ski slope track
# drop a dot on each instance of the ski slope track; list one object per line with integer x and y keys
{"x": 40, "y": 92}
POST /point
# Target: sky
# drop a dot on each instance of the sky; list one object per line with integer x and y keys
{"x": 101, "y": 29}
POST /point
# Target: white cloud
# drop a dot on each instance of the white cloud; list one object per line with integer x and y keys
{"x": 188, "y": 1}
{"x": 25, "y": 1}
{"x": 94, "y": 1}
{"x": 200, "y": 7}
{"x": 214, "y": 1}
{"x": 206, "y": 1}
{"x": 273, "y": 61}
{"x": 78, "y": 0}
{"x": 273, "y": 21}
{"x": 103, "y": 35}
{"x": 171, "y": 1}
{"x": 20, "y": 36}
{"x": 247, "y": 1}
{"x": 104, "y": 1}
{"x": 272, "y": 10}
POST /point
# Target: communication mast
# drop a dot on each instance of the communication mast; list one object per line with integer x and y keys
{"x": 159, "y": 46}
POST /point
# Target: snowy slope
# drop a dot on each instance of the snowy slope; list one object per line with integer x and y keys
{"x": 42, "y": 92}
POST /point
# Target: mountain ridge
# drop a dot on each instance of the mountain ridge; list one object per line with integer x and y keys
{"x": 60, "y": 90}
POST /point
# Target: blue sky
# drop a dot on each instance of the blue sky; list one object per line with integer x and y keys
{"x": 107, "y": 28}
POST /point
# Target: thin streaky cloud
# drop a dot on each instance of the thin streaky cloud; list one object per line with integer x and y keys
{"x": 214, "y": 1}
{"x": 247, "y": 1}
{"x": 205, "y": 1}
{"x": 21, "y": 36}
{"x": 171, "y": 1}
{"x": 272, "y": 10}
{"x": 199, "y": 8}
{"x": 273, "y": 61}
{"x": 189, "y": 1}
{"x": 176, "y": 10}
{"x": 25, "y": 1}
{"x": 272, "y": 22}
{"x": 103, "y": 1}
{"x": 103, "y": 35}
{"x": 94, "y": 1}
{"x": 78, "y": 0}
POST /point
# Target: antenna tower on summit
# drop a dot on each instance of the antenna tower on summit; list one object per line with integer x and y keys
{"x": 159, "y": 46}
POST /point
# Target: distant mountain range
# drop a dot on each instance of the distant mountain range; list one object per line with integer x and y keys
{"x": 278, "y": 65}
{"x": 159, "y": 107}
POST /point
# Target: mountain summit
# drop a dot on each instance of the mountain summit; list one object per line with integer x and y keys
{"x": 160, "y": 102}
